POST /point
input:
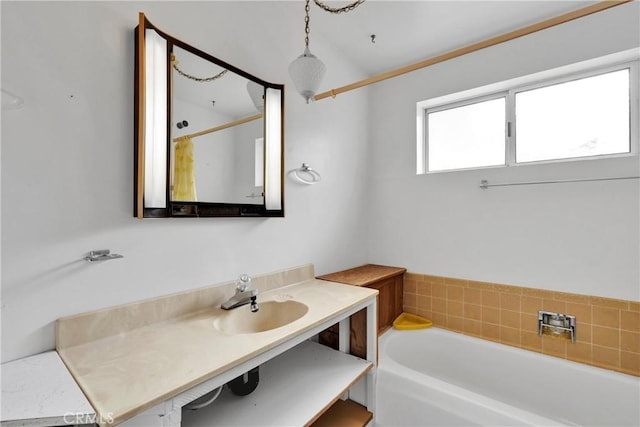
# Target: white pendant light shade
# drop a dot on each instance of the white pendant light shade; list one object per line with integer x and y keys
{"x": 256, "y": 93}
{"x": 307, "y": 72}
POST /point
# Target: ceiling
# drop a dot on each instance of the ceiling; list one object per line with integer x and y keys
{"x": 263, "y": 37}
{"x": 410, "y": 31}
{"x": 406, "y": 31}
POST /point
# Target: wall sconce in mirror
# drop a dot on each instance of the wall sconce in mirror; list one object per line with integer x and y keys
{"x": 231, "y": 149}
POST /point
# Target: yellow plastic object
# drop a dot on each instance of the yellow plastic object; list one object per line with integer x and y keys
{"x": 406, "y": 322}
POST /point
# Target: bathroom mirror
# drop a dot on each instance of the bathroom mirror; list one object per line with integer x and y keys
{"x": 209, "y": 137}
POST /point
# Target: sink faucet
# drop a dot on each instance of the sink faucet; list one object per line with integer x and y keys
{"x": 243, "y": 295}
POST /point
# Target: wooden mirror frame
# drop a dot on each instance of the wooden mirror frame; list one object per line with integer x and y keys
{"x": 160, "y": 204}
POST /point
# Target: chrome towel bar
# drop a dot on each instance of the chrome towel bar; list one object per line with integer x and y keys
{"x": 485, "y": 184}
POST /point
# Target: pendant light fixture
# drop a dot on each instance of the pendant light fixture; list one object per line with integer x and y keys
{"x": 307, "y": 70}
{"x": 256, "y": 93}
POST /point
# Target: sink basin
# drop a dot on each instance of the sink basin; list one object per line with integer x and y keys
{"x": 272, "y": 315}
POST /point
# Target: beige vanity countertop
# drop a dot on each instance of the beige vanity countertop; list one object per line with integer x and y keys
{"x": 128, "y": 373}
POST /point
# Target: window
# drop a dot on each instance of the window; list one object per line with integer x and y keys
{"x": 586, "y": 115}
{"x": 580, "y": 118}
{"x": 467, "y": 136}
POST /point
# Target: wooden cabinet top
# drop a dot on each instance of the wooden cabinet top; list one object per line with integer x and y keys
{"x": 364, "y": 275}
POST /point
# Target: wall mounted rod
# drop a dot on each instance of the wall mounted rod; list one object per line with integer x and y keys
{"x": 485, "y": 184}
{"x": 221, "y": 127}
{"x": 543, "y": 25}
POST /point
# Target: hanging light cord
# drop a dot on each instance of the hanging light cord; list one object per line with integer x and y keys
{"x": 347, "y": 8}
{"x": 174, "y": 63}
{"x": 306, "y": 24}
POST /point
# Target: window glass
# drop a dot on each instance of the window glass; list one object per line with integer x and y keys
{"x": 468, "y": 136}
{"x": 585, "y": 117}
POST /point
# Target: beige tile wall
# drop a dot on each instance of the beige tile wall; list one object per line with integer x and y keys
{"x": 607, "y": 330}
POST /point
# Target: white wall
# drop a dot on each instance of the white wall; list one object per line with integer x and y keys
{"x": 581, "y": 237}
{"x": 67, "y": 173}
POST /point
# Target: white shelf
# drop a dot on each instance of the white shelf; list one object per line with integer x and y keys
{"x": 295, "y": 387}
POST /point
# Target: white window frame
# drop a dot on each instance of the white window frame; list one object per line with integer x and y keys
{"x": 622, "y": 60}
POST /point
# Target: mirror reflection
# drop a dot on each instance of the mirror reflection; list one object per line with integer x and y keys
{"x": 217, "y": 150}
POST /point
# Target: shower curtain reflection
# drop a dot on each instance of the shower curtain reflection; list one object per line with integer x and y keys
{"x": 184, "y": 185}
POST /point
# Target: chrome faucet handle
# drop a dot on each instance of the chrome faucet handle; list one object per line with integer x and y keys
{"x": 254, "y": 303}
{"x": 243, "y": 282}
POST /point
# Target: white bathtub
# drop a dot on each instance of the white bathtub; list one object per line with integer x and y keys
{"x": 433, "y": 377}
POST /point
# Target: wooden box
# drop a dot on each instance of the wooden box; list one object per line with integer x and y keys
{"x": 389, "y": 283}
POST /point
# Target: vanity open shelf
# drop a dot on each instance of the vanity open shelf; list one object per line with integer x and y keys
{"x": 295, "y": 388}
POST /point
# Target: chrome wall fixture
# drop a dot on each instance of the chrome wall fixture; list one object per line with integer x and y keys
{"x": 556, "y": 324}
{"x": 305, "y": 174}
{"x": 484, "y": 184}
{"x": 101, "y": 255}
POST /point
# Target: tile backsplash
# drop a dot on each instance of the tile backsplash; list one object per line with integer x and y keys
{"x": 607, "y": 330}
